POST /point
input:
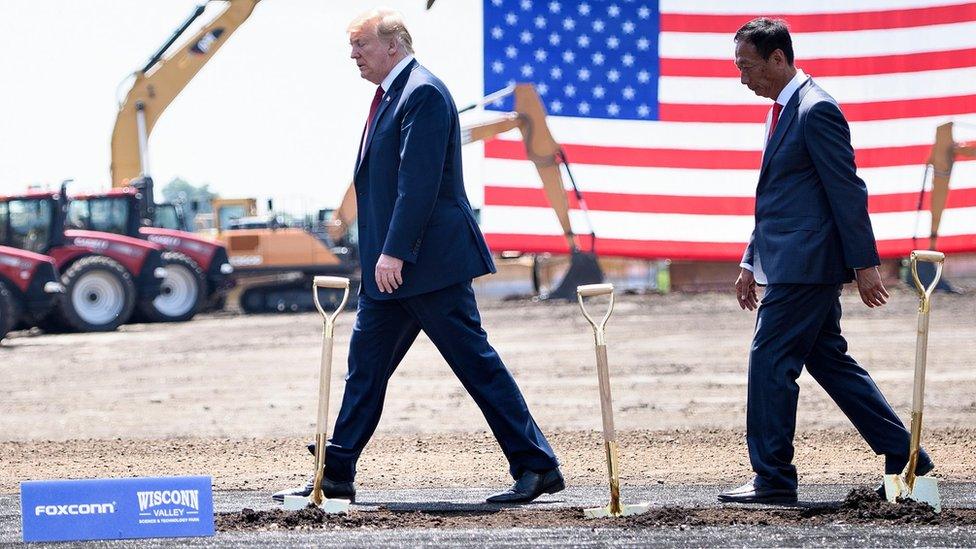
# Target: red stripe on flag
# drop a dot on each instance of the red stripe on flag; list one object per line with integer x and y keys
{"x": 701, "y": 205}
{"x": 964, "y": 243}
{"x": 621, "y": 202}
{"x": 900, "y": 202}
{"x": 826, "y": 22}
{"x": 855, "y": 112}
{"x": 840, "y": 66}
{"x": 699, "y": 159}
{"x": 647, "y": 249}
{"x": 693, "y": 251}
{"x": 630, "y": 156}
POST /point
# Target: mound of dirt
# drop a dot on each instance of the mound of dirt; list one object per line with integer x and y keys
{"x": 864, "y": 505}
{"x": 861, "y": 506}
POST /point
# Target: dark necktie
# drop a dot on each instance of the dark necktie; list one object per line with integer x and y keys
{"x": 369, "y": 119}
{"x": 777, "y": 108}
{"x": 374, "y": 106}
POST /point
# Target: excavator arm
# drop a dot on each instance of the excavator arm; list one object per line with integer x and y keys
{"x": 540, "y": 148}
{"x": 158, "y": 83}
{"x": 944, "y": 154}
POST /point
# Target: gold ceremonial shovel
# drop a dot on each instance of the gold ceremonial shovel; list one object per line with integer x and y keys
{"x": 321, "y": 423}
{"x": 614, "y": 509}
{"x": 907, "y": 485}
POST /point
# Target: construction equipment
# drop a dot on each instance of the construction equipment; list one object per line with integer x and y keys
{"x": 29, "y": 286}
{"x": 614, "y": 508}
{"x": 105, "y": 276}
{"x": 943, "y": 157}
{"x": 161, "y": 80}
{"x": 908, "y": 485}
{"x": 322, "y": 417}
{"x": 201, "y": 274}
{"x": 197, "y": 269}
{"x": 941, "y": 160}
{"x": 529, "y": 117}
{"x": 274, "y": 263}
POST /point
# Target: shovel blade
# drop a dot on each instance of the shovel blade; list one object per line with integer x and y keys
{"x": 625, "y": 511}
{"x": 297, "y": 503}
{"x": 926, "y": 490}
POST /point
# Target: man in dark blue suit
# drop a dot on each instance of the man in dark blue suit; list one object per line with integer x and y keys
{"x": 812, "y": 235}
{"x": 420, "y": 247}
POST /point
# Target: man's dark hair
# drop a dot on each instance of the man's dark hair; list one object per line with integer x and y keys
{"x": 767, "y": 35}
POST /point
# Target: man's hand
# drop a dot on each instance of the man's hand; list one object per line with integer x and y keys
{"x": 872, "y": 289}
{"x": 388, "y": 276}
{"x": 745, "y": 290}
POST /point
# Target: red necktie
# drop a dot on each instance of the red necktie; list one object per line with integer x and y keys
{"x": 777, "y": 108}
{"x": 374, "y": 106}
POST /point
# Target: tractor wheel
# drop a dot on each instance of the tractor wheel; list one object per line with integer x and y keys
{"x": 99, "y": 295}
{"x": 183, "y": 292}
{"x": 7, "y": 318}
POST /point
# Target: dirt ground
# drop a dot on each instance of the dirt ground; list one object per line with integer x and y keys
{"x": 861, "y": 506}
{"x": 234, "y": 397}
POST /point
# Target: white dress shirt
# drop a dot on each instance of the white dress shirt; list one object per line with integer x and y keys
{"x": 784, "y": 97}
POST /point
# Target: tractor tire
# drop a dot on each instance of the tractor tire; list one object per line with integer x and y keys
{"x": 99, "y": 295}
{"x": 183, "y": 293}
{"x": 7, "y": 312}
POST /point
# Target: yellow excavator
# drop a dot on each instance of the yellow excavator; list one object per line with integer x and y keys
{"x": 944, "y": 154}
{"x": 158, "y": 83}
{"x": 198, "y": 271}
{"x": 153, "y": 88}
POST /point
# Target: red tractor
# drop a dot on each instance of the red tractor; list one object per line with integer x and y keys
{"x": 197, "y": 269}
{"x": 105, "y": 276}
{"x": 29, "y": 286}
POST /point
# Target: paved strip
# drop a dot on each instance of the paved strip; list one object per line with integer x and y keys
{"x": 954, "y": 495}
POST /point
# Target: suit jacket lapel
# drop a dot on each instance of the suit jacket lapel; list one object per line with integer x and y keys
{"x": 789, "y": 113}
{"x": 391, "y": 96}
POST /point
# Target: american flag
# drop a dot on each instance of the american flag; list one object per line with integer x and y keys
{"x": 665, "y": 143}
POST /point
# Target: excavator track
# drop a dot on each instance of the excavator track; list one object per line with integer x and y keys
{"x": 294, "y": 296}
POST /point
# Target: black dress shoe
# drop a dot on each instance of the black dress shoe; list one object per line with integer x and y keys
{"x": 330, "y": 489}
{"x": 530, "y": 486}
{"x": 922, "y": 468}
{"x": 752, "y": 492}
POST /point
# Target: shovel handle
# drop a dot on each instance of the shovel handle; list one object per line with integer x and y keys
{"x": 334, "y": 282}
{"x": 325, "y": 375}
{"x": 330, "y": 283}
{"x": 591, "y": 290}
{"x": 921, "y": 352}
{"x": 927, "y": 256}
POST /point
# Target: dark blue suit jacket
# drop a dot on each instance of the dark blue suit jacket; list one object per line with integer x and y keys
{"x": 410, "y": 192}
{"x": 812, "y": 224}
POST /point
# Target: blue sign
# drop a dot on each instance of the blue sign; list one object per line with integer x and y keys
{"x": 165, "y": 507}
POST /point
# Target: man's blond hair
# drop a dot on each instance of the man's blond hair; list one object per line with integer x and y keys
{"x": 388, "y": 24}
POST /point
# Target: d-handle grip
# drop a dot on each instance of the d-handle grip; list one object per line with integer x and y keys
{"x": 927, "y": 256}
{"x": 590, "y": 290}
{"x": 333, "y": 282}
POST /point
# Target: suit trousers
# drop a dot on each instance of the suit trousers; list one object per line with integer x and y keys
{"x": 797, "y": 325}
{"x": 385, "y": 330}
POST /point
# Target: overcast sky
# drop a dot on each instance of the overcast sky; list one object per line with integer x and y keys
{"x": 276, "y": 113}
